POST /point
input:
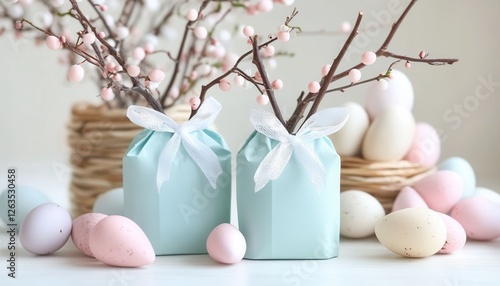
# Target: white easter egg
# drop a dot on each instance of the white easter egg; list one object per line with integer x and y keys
{"x": 347, "y": 141}
{"x": 45, "y": 229}
{"x": 359, "y": 213}
{"x": 399, "y": 92}
{"x": 412, "y": 232}
{"x": 110, "y": 202}
{"x": 390, "y": 135}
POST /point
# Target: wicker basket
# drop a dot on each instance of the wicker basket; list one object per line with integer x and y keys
{"x": 98, "y": 138}
{"x": 383, "y": 180}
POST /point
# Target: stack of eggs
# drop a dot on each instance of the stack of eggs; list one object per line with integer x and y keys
{"x": 382, "y": 147}
{"x": 433, "y": 213}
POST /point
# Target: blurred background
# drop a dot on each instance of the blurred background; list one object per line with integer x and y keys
{"x": 461, "y": 101}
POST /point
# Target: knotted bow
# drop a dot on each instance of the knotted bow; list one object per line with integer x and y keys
{"x": 320, "y": 124}
{"x": 201, "y": 154}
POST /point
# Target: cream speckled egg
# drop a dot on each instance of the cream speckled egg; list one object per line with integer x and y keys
{"x": 390, "y": 135}
{"x": 348, "y": 140}
{"x": 412, "y": 232}
{"x": 359, "y": 212}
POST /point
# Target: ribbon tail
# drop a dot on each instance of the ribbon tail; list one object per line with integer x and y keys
{"x": 272, "y": 165}
{"x": 165, "y": 160}
{"x": 205, "y": 158}
{"x": 312, "y": 164}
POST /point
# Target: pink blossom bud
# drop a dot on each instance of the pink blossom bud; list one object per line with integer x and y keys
{"x": 224, "y": 85}
{"x": 200, "y": 32}
{"x": 248, "y": 31}
{"x": 107, "y": 94}
{"x": 268, "y": 51}
{"x": 192, "y": 15}
{"x": 101, "y": 34}
{"x": 368, "y": 58}
{"x": 138, "y": 54}
{"x": 103, "y": 8}
{"x": 283, "y": 36}
{"x": 133, "y": 70}
{"x": 156, "y": 75}
{"x": 194, "y": 102}
{"x": 407, "y": 65}
{"x": 75, "y": 73}
{"x": 354, "y": 75}
{"x": 53, "y": 42}
{"x": 277, "y": 84}
{"x": 19, "y": 25}
{"x": 262, "y": 99}
{"x": 345, "y": 27}
{"x": 325, "y": 69}
{"x": 88, "y": 39}
{"x": 313, "y": 86}
{"x": 422, "y": 54}
{"x": 265, "y": 6}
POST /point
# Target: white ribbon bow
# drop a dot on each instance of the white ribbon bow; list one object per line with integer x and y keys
{"x": 201, "y": 154}
{"x": 320, "y": 124}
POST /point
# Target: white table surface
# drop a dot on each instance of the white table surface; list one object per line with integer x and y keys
{"x": 361, "y": 262}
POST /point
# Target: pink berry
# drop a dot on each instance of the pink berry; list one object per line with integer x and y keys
{"x": 19, "y": 25}
{"x": 192, "y": 15}
{"x": 88, "y": 39}
{"x": 200, "y": 32}
{"x": 262, "y": 99}
{"x": 156, "y": 75}
{"x": 53, "y": 42}
{"x": 313, "y": 86}
{"x": 382, "y": 84}
{"x": 239, "y": 80}
{"x": 407, "y": 65}
{"x": 103, "y": 8}
{"x": 257, "y": 76}
{"x": 325, "y": 69}
{"x": 368, "y": 58}
{"x": 138, "y": 54}
{"x": 248, "y": 31}
{"x": 283, "y": 36}
{"x": 107, "y": 93}
{"x": 133, "y": 70}
{"x": 101, "y": 34}
{"x": 194, "y": 102}
{"x": 277, "y": 84}
{"x": 75, "y": 73}
{"x": 110, "y": 67}
{"x": 224, "y": 85}
{"x": 265, "y": 6}
{"x": 268, "y": 51}
{"x": 422, "y": 54}
{"x": 354, "y": 75}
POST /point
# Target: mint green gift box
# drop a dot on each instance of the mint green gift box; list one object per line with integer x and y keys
{"x": 289, "y": 217}
{"x": 178, "y": 216}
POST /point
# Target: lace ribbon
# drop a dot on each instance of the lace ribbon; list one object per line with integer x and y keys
{"x": 322, "y": 123}
{"x": 201, "y": 154}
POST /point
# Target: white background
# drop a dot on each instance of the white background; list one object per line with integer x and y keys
{"x": 36, "y": 98}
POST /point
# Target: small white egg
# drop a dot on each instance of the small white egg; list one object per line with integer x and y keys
{"x": 359, "y": 213}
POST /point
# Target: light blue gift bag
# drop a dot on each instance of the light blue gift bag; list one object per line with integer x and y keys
{"x": 288, "y": 188}
{"x": 177, "y": 179}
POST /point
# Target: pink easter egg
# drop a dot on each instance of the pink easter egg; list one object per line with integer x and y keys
{"x": 80, "y": 233}
{"x": 440, "y": 190}
{"x": 408, "y": 198}
{"x": 479, "y": 217}
{"x": 119, "y": 241}
{"x": 226, "y": 244}
{"x": 426, "y": 146}
{"x": 456, "y": 236}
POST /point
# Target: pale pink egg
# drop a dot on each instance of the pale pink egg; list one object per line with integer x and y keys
{"x": 226, "y": 244}
{"x": 426, "y": 146}
{"x": 479, "y": 217}
{"x": 408, "y": 198}
{"x": 456, "y": 236}
{"x": 80, "y": 232}
{"x": 119, "y": 241}
{"x": 440, "y": 190}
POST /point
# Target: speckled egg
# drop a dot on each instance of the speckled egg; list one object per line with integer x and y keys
{"x": 426, "y": 146}
{"x": 479, "y": 217}
{"x": 464, "y": 170}
{"x": 455, "y": 235}
{"x": 119, "y": 241}
{"x": 412, "y": 232}
{"x": 390, "y": 135}
{"x": 348, "y": 140}
{"x": 226, "y": 244}
{"x": 408, "y": 198}
{"x": 359, "y": 212}
{"x": 440, "y": 190}
{"x": 80, "y": 233}
{"x": 45, "y": 229}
